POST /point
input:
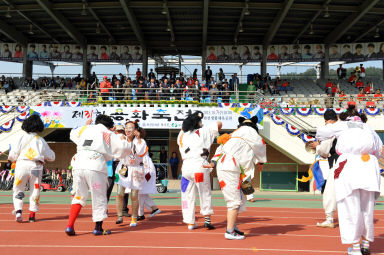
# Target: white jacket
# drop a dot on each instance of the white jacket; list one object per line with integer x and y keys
{"x": 32, "y": 150}
{"x": 95, "y": 146}
{"x": 243, "y": 150}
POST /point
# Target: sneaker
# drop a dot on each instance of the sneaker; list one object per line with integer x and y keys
{"x": 351, "y": 251}
{"x": 239, "y": 232}
{"x": 101, "y": 232}
{"x": 126, "y": 214}
{"x": 209, "y": 226}
{"x": 139, "y": 218}
{"x": 233, "y": 236}
{"x": 70, "y": 231}
{"x": 154, "y": 212}
{"x": 119, "y": 220}
{"x": 192, "y": 226}
{"x": 133, "y": 224}
{"x": 365, "y": 251}
{"x": 32, "y": 219}
{"x": 326, "y": 224}
{"x": 19, "y": 217}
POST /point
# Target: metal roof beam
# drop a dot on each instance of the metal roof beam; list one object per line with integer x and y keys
{"x": 205, "y": 23}
{"x": 12, "y": 34}
{"x": 93, "y": 13}
{"x": 277, "y": 22}
{"x": 62, "y": 22}
{"x": 44, "y": 31}
{"x": 133, "y": 22}
{"x": 366, "y": 32}
{"x": 169, "y": 23}
{"x": 351, "y": 20}
{"x": 306, "y": 27}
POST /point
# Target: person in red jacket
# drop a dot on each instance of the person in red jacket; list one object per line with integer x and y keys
{"x": 359, "y": 84}
{"x": 105, "y": 85}
{"x": 378, "y": 96}
{"x": 368, "y": 88}
{"x": 361, "y": 96}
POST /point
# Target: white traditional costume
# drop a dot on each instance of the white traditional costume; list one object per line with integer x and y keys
{"x": 357, "y": 177}
{"x": 149, "y": 186}
{"x": 95, "y": 146}
{"x": 196, "y": 179}
{"x": 135, "y": 179}
{"x": 29, "y": 151}
{"x": 239, "y": 155}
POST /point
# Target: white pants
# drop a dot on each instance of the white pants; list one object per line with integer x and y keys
{"x": 97, "y": 183}
{"x": 329, "y": 196}
{"x": 356, "y": 216}
{"x": 194, "y": 182}
{"x": 230, "y": 186}
{"x": 145, "y": 201}
{"x": 22, "y": 176}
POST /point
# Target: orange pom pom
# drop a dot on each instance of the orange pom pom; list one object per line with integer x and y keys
{"x": 13, "y": 165}
{"x": 223, "y": 138}
{"x": 365, "y": 157}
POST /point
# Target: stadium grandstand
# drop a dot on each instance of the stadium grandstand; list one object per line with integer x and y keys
{"x": 168, "y": 35}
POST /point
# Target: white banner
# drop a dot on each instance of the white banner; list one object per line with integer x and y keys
{"x": 150, "y": 117}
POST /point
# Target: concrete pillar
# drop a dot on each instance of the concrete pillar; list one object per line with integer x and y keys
{"x": 27, "y": 64}
{"x": 86, "y": 64}
{"x": 324, "y": 73}
{"x": 179, "y": 65}
{"x": 145, "y": 62}
{"x": 383, "y": 75}
{"x": 263, "y": 64}
{"x": 203, "y": 61}
{"x": 278, "y": 70}
{"x": 52, "y": 68}
{"x": 127, "y": 68}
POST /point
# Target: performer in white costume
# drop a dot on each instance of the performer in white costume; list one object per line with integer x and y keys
{"x": 235, "y": 161}
{"x": 149, "y": 187}
{"x": 357, "y": 178}
{"x": 29, "y": 151}
{"x": 327, "y": 150}
{"x": 194, "y": 142}
{"x": 133, "y": 165}
{"x": 96, "y": 144}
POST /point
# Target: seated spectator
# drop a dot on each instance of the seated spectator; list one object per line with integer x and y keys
{"x": 204, "y": 92}
{"x": 213, "y": 92}
{"x": 6, "y": 87}
{"x": 226, "y": 93}
{"x": 351, "y": 101}
{"x": 378, "y": 96}
{"x": 361, "y": 96}
{"x": 328, "y": 86}
{"x": 35, "y": 86}
{"x": 152, "y": 86}
{"x": 128, "y": 85}
{"x": 359, "y": 84}
{"x": 140, "y": 92}
{"x": 352, "y": 79}
{"x": 342, "y": 96}
{"x": 284, "y": 86}
{"x": 91, "y": 98}
{"x": 69, "y": 84}
{"x": 21, "y": 100}
{"x": 368, "y": 88}
{"x": 335, "y": 89}
{"x": 138, "y": 74}
{"x": 328, "y": 101}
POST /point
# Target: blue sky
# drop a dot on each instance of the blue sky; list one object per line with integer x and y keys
{"x": 15, "y": 69}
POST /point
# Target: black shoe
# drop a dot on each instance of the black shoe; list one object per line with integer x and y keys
{"x": 365, "y": 251}
{"x": 119, "y": 220}
{"x": 70, "y": 231}
{"x": 239, "y": 232}
{"x": 32, "y": 219}
{"x": 209, "y": 226}
{"x": 139, "y": 218}
{"x": 126, "y": 214}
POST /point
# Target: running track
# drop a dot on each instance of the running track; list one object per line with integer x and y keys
{"x": 269, "y": 231}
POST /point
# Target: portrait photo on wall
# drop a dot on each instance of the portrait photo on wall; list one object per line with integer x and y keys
{"x": 272, "y": 53}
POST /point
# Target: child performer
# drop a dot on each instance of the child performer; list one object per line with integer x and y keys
{"x": 96, "y": 144}
{"x": 149, "y": 187}
{"x": 194, "y": 142}
{"x": 235, "y": 161}
{"x": 133, "y": 163}
{"x": 29, "y": 151}
{"x": 357, "y": 178}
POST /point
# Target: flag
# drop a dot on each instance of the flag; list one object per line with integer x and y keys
{"x": 318, "y": 175}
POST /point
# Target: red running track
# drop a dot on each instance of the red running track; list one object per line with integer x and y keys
{"x": 269, "y": 231}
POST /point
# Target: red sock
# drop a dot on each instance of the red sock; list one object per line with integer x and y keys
{"x": 31, "y": 214}
{"x": 75, "y": 210}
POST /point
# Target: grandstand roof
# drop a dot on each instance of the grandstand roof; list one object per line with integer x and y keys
{"x": 192, "y": 24}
